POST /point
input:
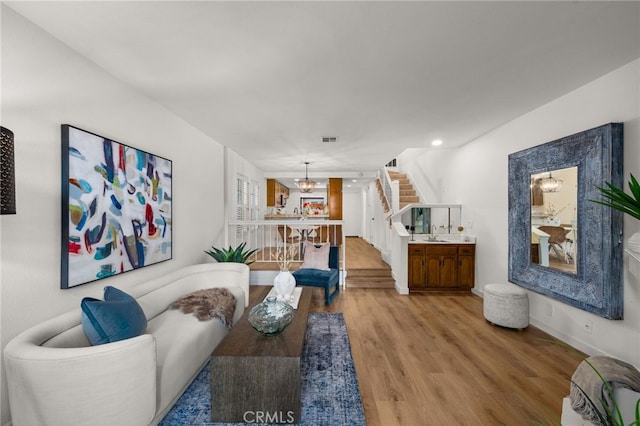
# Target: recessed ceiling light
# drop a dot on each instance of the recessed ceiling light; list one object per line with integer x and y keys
{"x": 354, "y": 180}
{"x": 436, "y": 142}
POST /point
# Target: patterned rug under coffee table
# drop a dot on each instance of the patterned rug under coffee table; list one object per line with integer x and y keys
{"x": 330, "y": 393}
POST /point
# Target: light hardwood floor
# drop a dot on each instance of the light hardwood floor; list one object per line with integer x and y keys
{"x": 432, "y": 359}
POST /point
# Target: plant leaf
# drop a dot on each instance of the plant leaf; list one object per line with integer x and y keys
{"x": 634, "y": 187}
{"x": 617, "y": 199}
{"x": 237, "y": 255}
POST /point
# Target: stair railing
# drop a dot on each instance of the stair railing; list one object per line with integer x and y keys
{"x": 391, "y": 191}
{"x": 272, "y": 238}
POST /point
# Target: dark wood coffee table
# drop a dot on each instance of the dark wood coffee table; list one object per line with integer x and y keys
{"x": 256, "y": 378}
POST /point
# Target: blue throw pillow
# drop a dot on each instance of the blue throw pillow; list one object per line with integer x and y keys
{"x": 117, "y": 317}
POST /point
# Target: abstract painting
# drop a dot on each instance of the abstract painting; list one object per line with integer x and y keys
{"x": 116, "y": 208}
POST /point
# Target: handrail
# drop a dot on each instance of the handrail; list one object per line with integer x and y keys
{"x": 385, "y": 181}
{"x": 284, "y": 237}
{"x": 391, "y": 190}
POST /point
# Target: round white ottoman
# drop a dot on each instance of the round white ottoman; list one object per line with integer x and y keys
{"x": 506, "y": 305}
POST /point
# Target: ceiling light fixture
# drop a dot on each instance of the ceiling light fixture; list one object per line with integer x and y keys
{"x": 306, "y": 185}
{"x": 550, "y": 184}
{"x": 436, "y": 142}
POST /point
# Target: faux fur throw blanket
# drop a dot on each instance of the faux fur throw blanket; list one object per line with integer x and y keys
{"x": 209, "y": 303}
{"x": 617, "y": 374}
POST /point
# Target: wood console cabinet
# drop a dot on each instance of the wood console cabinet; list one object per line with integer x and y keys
{"x": 441, "y": 267}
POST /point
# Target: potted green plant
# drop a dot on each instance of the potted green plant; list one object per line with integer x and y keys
{"x": 237, "y": 255}
{"x": 619, "y": 200}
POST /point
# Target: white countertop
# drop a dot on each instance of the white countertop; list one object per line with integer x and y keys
{"x": 443, "y": 239}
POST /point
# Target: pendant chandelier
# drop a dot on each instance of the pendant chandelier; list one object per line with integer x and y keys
{"x": 550, "y": 184}
{"x": 306, "y": 185}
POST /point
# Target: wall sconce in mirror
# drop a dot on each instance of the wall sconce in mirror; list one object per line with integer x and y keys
{"x": 7, "y": 173}
{"x": 588, "y": 271}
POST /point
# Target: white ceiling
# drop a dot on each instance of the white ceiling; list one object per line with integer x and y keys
{"x": 269, "y": 79}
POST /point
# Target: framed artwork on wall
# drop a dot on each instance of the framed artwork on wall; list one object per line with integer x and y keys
{"x": 314, "y": 202}
{"x": 116, "y": 208}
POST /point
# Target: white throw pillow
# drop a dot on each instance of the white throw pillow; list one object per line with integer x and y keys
{"x": 316, "y": 257}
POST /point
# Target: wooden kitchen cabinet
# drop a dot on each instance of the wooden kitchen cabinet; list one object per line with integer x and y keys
{"x": 334, "y": 198}
{"x": 417, "y": 267}
{"x": 334, "y": 205}
{"x": 467, "y": 266}
{"x": 277, "y": 193}
{"x": 441, "y": 267}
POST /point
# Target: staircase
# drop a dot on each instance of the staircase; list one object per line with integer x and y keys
{"x": 370, "y": 278}
{"x": 365, "y": 267}
{"x": 408, "y": 194}
{"x": 383, "y": 199}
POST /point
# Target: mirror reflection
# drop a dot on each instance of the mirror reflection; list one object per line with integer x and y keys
{"x": 433, "y": 219}
{"x": 554, "y": 203}
{"x": 421, "y": 220}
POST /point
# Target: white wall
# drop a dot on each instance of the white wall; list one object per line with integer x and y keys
{"x": 475, "y": 175}
{"x": 45, "y": 84}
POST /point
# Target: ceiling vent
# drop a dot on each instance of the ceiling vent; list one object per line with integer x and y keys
{"x": 329, "y": 139}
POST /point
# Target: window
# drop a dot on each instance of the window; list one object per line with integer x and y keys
{"x": 254, "y": 205}
{"x": 247, "y": 205}
{"x": 242, "y": 202}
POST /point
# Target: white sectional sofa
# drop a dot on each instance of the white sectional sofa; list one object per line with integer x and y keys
{"x": 55, "y": 377}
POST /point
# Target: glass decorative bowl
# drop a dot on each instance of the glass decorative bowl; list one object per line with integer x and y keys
{"x": 271, "y": 316}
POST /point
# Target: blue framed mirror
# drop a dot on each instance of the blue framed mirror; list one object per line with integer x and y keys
{"x": 594, "y": 281}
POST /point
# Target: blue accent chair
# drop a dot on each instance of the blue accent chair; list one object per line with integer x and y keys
{"x": 329, "y": 280}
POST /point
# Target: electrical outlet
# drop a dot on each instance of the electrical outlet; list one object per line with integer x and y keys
{"x": 587, "y": 326}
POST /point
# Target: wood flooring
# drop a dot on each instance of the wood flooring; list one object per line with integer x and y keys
{"x": 432, "y": 359}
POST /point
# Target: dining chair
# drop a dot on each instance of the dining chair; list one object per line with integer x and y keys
{"x": 289, "y": 235}
{"x": 558, "y": 239}
{"x": 320, "y": 235}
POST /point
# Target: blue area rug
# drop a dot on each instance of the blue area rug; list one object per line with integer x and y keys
{"x": 330, "y": 393}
